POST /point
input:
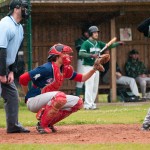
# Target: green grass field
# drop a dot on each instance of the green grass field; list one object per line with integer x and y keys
{"x": 119, "y": 113}
{"x": 75, "y": 147}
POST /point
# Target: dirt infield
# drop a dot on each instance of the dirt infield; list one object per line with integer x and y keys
{"x": 83, "y": 134}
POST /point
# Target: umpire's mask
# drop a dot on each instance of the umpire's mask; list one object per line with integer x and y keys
{"x": 25, "y": 9}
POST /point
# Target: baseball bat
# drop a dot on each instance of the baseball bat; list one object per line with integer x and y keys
{"x": 108, "y": 44}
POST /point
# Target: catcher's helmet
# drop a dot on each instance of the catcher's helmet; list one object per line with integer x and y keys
{"x": 93, "y": 29}
{"x": 57, "y": 49}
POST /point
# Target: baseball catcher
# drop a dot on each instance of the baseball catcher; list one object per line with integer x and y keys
{"x": 44, "y": 98}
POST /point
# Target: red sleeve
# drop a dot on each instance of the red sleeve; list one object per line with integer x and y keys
{"x": 78, "y": 77}
{"x": 24, "y": 79}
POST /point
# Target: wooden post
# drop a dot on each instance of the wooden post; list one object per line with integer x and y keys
{"x": 113, "y": 64}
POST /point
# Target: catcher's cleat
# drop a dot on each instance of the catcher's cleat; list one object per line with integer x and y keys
{"x": 42, "y": 130}
{"x": 53, "y": 129}
{"x": 145, "y": 127}
{"x": 45, "y": 130}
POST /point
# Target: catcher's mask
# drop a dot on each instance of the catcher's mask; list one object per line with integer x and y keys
{"x": 59, "y": 49}
{"x": 17, "y": 4}
{"x": 92, "y": 29}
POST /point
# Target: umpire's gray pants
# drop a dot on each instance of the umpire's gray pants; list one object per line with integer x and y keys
{"x": 10, "y": 96}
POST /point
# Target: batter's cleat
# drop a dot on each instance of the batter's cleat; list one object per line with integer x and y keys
{"x": 42, "y": 130}
{"x": 145, "y": 127}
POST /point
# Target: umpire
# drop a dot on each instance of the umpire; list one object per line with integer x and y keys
{"x": 10, "y": 41}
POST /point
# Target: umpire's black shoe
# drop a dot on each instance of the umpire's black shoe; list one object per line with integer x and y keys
{"x": 145, "y": 127}
{"x": 19, "y": 129}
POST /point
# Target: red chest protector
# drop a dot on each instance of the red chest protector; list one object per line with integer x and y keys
{"x": 58, "y": 78}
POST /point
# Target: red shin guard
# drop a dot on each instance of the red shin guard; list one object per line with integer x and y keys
{"x": 65, "y": 113}
{"x": 51, "y": 110}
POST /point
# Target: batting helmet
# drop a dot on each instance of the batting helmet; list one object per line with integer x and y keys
{"x": 57, "y": 49}
{"x": 93, "y": 29}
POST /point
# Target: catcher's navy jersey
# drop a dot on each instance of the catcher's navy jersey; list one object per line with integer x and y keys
{"x": 43, "y": 75}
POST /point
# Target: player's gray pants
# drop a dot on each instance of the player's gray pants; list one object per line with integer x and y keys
{"x": 124, "y": 80}
{"x": 147, "y": 118}
{"x": 10, "y": 96}
{"x": 143, "y": 82}
{"x": 34, "y": 104}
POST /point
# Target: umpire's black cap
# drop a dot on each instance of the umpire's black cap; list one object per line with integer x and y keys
{"x": 14, "y": 4}
{"x": 17, "y": 4}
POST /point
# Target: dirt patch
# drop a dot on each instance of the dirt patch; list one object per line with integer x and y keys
{"x": 83, "y": 134}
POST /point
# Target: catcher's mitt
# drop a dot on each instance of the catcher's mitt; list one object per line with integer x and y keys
{"x": 98, "y": 64}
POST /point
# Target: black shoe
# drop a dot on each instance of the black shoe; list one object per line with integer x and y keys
{"x": 19, "y": 129}
{"x": 145, "y": 127}
{"x": 54, "y": 129}
{"x": 42, "y": 130}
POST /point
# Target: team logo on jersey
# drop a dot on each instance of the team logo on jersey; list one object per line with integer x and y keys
{"x": 94, "y": 49}
{"x": 37, "y": 76}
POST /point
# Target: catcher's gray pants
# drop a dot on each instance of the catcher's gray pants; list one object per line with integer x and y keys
{"x": 143, "y": 82}
{"x": 10, "y": 96}
{"x": 34, "y": 104}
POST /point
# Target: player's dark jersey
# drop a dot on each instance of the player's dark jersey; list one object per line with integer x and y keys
{"x": 43, "y": 75}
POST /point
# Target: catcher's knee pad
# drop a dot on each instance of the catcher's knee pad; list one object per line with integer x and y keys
{"x": 59, "y": 100}
{"x": 78, "y": 106}
{"x": 53, "y": 108}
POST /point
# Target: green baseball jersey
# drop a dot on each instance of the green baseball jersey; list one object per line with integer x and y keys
{"x": 91, "y": 47}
